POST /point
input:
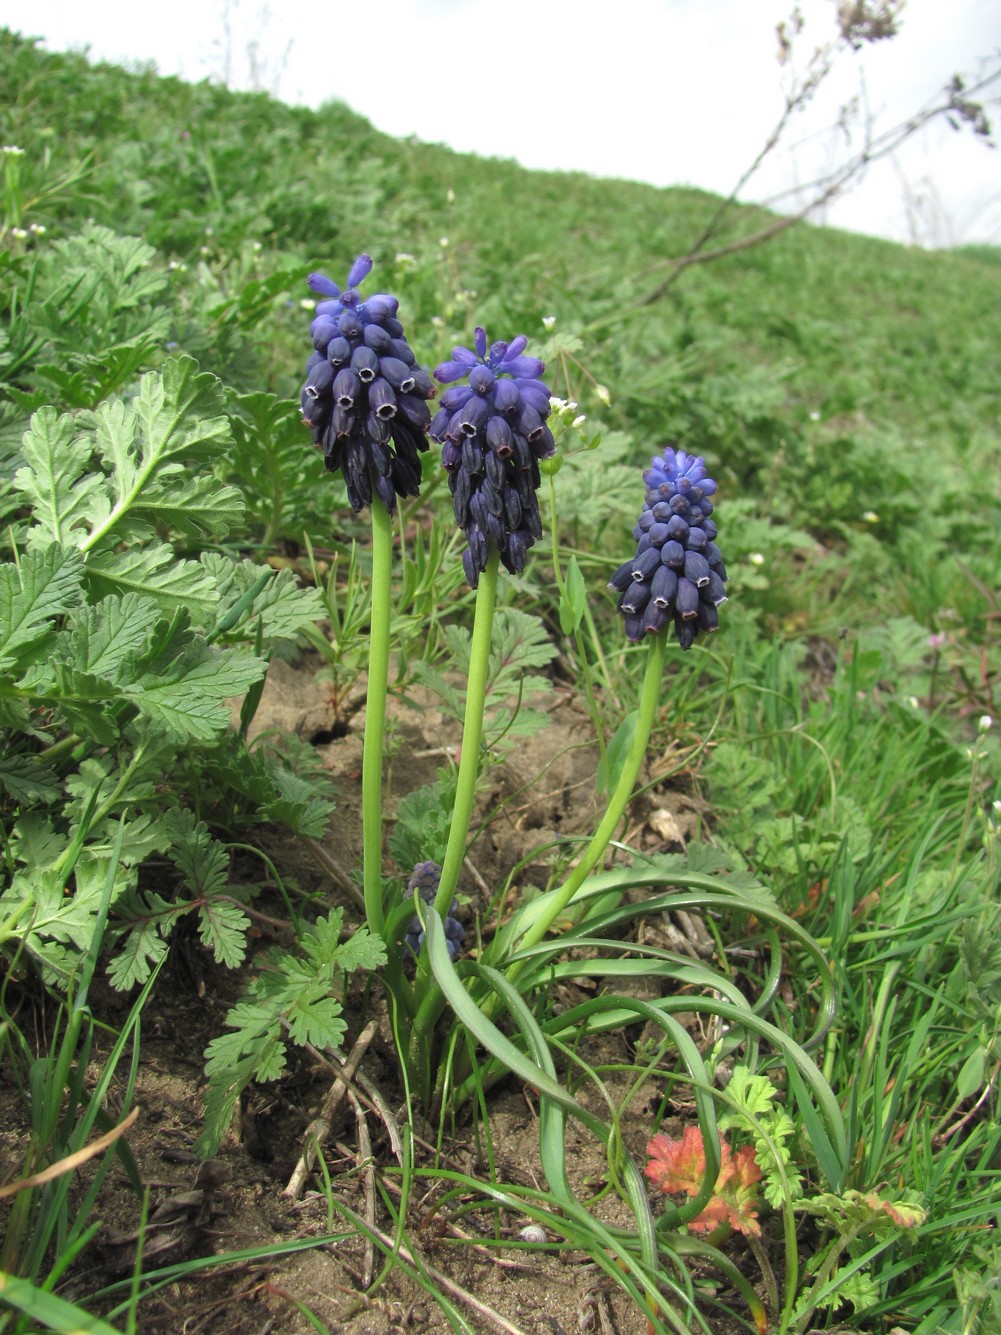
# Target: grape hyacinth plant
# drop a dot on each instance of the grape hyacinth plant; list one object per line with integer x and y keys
{"x": 366, "y": 404}
{"x": 493, "y": 433}
{"x": 675, "y": 581}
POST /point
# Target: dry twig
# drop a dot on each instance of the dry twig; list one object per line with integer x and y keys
{"x": 319, "y": 1129}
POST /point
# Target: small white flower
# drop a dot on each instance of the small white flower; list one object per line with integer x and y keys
{"x": 602, "y": 395}
{"x": 404, "y": 260}
{"x": 204, "y": 250}
{"x": 11, "y": 151}
{"x": 450, "y": 195}
{"x": 815, "y": 416}
{"x": 39, "y": 229}
{"x": 548, "y": 322}
{"x": 870, "y": 516}
{"x": 307, "y": 304}
{"x": 914, "y": 702}
{"x": 19, "y": 232}
{"x": 210, "y": 231}
{"x": 443, "y": 242}
{"x": 557, "y": 405}
{"x": 996, "y": 804}
{"x": 756, "y": 559}
{"x": 257, "y": 246}
{"x": 579, "y": 420}
{"x": 984, "y": 723}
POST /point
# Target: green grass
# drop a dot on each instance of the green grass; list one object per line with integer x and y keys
{"x": 843, "y": 391}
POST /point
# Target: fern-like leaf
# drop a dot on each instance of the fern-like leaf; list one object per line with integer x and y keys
{"x": 45, "y": 584}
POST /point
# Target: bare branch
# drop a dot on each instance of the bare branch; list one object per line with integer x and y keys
{"x": 860, "y": 22}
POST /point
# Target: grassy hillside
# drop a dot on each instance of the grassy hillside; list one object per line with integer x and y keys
{"x": 833, "y": 750}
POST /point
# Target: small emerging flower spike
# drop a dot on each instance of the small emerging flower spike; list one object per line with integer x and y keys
{"x": 493, "y": 432}
{"x": 677, "y": 575}
{"x": 424, "y": 882}
{"x": 365, "y": 397}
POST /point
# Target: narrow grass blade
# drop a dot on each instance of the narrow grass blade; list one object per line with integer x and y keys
{"x": 48, "y": 1310}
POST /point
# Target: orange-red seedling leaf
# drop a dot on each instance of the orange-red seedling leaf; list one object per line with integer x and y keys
{"x": 745, "y": 1167}
{"x": 678, "y": 1167}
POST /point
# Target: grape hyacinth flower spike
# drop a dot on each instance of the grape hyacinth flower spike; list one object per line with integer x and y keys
{"x": 677, "y": 575}
{"x": 424, "y": 882}
{"x": 493, "y": 432}
{"x": 364, "y": 399}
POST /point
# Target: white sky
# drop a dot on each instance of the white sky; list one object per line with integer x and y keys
{"x": 673, "y": 92}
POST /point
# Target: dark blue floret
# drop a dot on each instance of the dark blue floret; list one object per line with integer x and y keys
{"x": 365, "y": 396}
{"x": 677, "y": 575}
{"x": 493, "y": 433}
{"x": 424, "y": 881}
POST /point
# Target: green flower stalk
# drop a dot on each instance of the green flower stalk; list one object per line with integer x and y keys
{"x": 472, "y": 734}
{"x": 375, "y": 716}
{"x": 537, "y": 918}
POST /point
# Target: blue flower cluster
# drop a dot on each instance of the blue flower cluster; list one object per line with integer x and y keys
{"x": 493, "y": 433}
{"x": 425, "y": 881}
{"x": 364, "y": 399}
{"x": 677, "y": 573}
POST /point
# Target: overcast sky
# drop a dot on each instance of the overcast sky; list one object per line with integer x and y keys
{"x": 673, "y": 92}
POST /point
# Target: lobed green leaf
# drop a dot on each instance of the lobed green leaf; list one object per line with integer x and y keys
{"x": 63, "y": 496}
{"x": 43, "y": 585}
{"x": 189, "y": 704}
{"x": 154, "y": 572}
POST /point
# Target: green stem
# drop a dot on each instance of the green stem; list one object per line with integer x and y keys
{"x": 57, "y": 750}
{"x": 375, "y": 714}
{"x": 649, "y": 700}
{"x": 472, "y": 735}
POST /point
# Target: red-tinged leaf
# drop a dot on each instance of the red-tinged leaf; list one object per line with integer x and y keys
{"x": 678, "y": 1167}
{"x": 745, "y": 1165}
{"x": 716, "y": 1212}
{"x": 743, "y": 1217}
